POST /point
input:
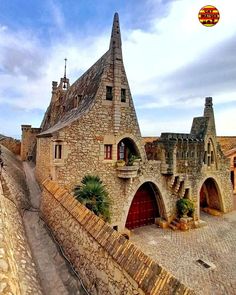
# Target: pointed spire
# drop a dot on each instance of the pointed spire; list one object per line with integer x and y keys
{"x": 115, "y": 34}
{"x": 65, "y": 68}
{"x": 209, "y": 113}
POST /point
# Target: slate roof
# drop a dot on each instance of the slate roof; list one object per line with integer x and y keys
{"x": 86, "y": 86}
{"x": 227, "y": 143}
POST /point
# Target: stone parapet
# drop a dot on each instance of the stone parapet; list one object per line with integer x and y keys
{"x": 107, "y": 262}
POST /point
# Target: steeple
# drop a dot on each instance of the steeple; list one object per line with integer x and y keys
{"x": 115, "y": 34}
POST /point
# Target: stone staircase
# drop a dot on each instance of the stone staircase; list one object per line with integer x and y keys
{"x": 179, "y": 185}
{"x": 174, "y": 225}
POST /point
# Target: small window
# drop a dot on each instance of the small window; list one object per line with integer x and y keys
{"x": 121, "y": 151}
{"x": 212, "y": 157}
{"x": 107, "y": 151}
{"x": 108, "y": 93}
{"x": 123, "y": 95}
{"x": 208, "y": 161}
{"x": 77, "y": 100}
{"x": 208, "y": 148}
{"x": 58, "y": 151}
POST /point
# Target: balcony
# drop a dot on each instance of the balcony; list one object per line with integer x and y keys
{"x": 127, "y": 172}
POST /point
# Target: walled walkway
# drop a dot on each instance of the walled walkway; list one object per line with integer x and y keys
{"x": 56, "y": 276}
{"x": 179, "y": 251}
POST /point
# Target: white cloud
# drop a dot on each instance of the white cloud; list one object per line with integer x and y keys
{"x": 149, "y": 56}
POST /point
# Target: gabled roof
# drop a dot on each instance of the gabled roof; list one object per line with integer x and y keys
{"x": 227, "y": 143}
{"x": 86, "y": 86}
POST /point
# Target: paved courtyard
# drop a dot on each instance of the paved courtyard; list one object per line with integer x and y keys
{"x": 179, "y": 251}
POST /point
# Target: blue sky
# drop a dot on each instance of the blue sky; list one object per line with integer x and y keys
{"x": 172, "y": 61}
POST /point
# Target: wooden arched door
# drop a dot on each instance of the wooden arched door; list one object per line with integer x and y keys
{"x": 143, "y": 209}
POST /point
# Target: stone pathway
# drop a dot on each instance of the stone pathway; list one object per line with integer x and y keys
{"x": 56, "y": 276}
{"x": 179, "y": 251}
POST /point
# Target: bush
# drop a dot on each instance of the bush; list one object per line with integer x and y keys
{"x": 185, "y": 207}
{"x": 92, "y": 193}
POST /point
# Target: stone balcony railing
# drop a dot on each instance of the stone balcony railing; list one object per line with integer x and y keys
{"x": 127, "y": 171}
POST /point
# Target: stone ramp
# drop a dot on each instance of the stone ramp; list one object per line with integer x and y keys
{"x": 30, "y": 262}
{"x": 56, "y": 276}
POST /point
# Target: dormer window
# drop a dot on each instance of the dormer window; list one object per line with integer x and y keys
{"x": 108, "y": 93}
{"x": 123, "y": 95}
{"x": 77, "y": 100}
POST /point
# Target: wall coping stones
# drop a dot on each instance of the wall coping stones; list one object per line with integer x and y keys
{"x": 150, "y": 277}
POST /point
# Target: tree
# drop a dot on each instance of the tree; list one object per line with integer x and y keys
{"x": 92, "y": 193}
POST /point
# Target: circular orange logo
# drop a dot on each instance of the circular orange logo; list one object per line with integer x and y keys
{"x": 209, "y": 15}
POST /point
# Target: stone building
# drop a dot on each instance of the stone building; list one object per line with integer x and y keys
{"x": 90, "y": 125}
{"x": 228, "y": 145}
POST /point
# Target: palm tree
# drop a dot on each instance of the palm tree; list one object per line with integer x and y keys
{"x": 92, "y": 193}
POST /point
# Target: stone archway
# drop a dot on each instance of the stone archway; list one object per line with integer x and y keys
{"x": 145, "y": 206}
{"x": 210, "y": 195}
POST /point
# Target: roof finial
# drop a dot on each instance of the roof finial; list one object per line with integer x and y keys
{"x": 65, "y": 68}
{"x": 115, "y": 34}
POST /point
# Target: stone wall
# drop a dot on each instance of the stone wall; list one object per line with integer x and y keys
{"x": 106, "y": 261}
{"x": 28, "y": 142}
{"x": 18, "y": 274}
{"x": 44, "y": 159}
{"x": 11, "y": 144}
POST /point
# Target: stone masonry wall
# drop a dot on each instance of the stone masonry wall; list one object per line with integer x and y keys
{"x": 28, "y": 141}
{"x": 18, "y": 273}
{"x": 44, "y": 158}
{"x": 11, "y": 144}
{"x": 106, "y": 261}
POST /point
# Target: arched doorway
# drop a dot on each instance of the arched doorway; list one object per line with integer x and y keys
{"x": 210, "y": 195}
{"x": 144, "y": 208}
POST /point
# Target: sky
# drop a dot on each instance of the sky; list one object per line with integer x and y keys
{"x": 172, "y": 61}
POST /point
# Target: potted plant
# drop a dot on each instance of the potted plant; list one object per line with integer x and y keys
{"x": 185, "y": 207}
{"x": 120, "y": 163}
{"x": 133, "y": 160}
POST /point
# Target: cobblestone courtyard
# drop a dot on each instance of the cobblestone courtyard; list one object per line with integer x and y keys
{"x": 178, "y": 252}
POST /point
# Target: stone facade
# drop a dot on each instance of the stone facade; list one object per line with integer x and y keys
{"x": 28, "y": 142}
{"x": 92, "y": 124}
{"x": 11, "y": 144}
{"x": 18, "y": 274}
{"x": 228, "y": 144}
{"x": 106, "y": 261}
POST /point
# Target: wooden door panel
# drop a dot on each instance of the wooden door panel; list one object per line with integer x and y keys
{"x": 143, "y": 209}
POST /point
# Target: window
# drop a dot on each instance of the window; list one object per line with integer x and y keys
{"x": 107, "y": 151}
{"x": 58, "y": 151}
{"x": 208, "y": 148}
{"x": 108, "y": 93}
{"x": 77, "y": 100}
{"x": 123, "y": 95}
{"x": 121, "y": 151}
{"x": 208, "y": 161}
{"x": 212, "y": 157}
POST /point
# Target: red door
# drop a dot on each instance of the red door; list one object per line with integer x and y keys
{"x": 143, "y": 209}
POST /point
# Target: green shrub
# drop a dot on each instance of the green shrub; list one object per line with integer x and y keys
{"x": 92, "y": 193}
{"x": 185, "y": 207}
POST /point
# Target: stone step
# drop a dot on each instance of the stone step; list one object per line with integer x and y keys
{"x": 173, "y": 227}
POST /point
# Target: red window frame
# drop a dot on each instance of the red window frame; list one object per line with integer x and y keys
{"x": 108, "y": 151}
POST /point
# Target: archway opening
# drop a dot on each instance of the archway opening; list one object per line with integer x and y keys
{"x": 209, "y": 195}
{"x": 144, "y": 207}
{"x": 127, "y": 149}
